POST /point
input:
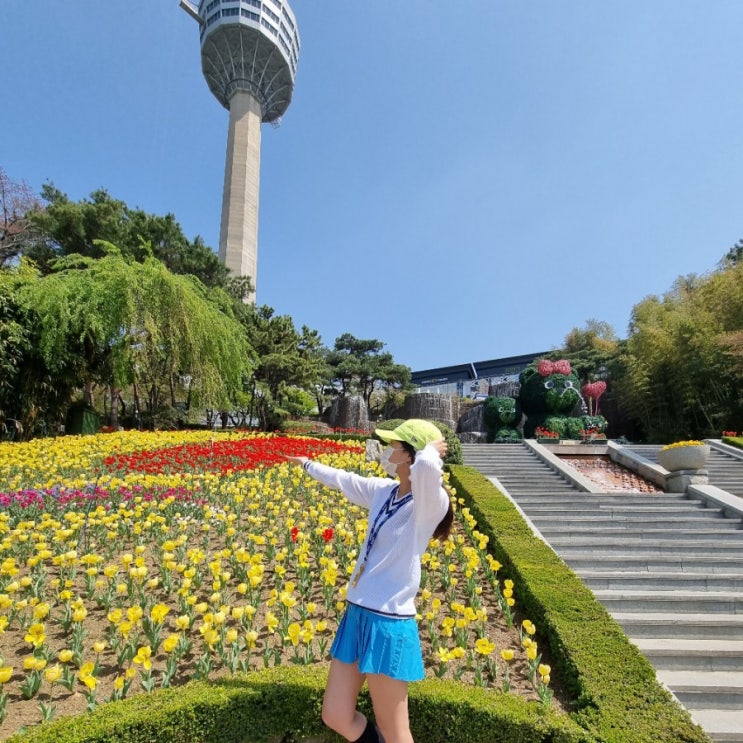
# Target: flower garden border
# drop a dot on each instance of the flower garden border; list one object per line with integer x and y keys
{"x": 617, "y": 697}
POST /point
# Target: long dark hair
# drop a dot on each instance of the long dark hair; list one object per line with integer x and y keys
{"x": 443, "y": 530}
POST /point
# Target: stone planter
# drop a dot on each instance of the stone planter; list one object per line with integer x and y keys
{"x": 684, "y": 457}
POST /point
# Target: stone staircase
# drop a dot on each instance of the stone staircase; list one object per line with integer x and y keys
{"x": 668, "y": 568}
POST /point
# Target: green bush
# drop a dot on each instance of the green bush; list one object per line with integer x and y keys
{"x": 733, "y": 441}
{"x": 617, "y": 697}
{"x": 284, "y": 704}
{"x": 454, "y": 452}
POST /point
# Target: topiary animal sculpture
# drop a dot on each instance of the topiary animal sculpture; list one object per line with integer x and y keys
{"x": 501, "y": 416}
{"x": 550, "y": 392}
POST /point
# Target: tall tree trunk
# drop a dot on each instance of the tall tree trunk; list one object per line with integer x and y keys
{"x": 114, "y": 418}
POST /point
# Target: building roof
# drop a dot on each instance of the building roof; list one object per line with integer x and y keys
{"x": 475, "y": 370}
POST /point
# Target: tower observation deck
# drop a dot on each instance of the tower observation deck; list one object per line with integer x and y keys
{"x": 249, "y": 57}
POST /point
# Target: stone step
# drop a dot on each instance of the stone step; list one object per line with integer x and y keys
{"x": 678, "y": 562}
{"x": 643, "y": 580}
{"x": 731, "y": 543}
{"x": 707, "y": 540}
{"x": 618, "y": 528}
{"x": 715, "y": 689}
{"x": 668, "y": 526}
{"x": 688, "y": 626}
{"x": 640, "y": 513}
{"x": 680, "y": 602}
{"x": 629, "y": 499}
{"x": 674, "y": 654}
{"x": 721, "y": 725}
{"x": 672, "y": 518}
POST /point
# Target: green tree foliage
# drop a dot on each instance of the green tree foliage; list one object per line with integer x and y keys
{"x": 120, "y": 323}
{"x": 734, "y": 255}
{"x": 287, "y": 361}
{"x": 683, "y": 362}
{"x": 81, "y": 227}
{"x": 591, "y": 350}
{"x": 15, "y": 339}
{"x": 359, "y": 366}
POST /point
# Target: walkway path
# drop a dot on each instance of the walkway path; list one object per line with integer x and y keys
{"x": 668, "y": 568}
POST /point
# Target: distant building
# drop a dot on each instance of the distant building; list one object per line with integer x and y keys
{"x": 476, "y": 379}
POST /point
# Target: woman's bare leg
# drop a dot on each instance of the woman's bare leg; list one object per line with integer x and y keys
{"x": 390, "y": 699}
{"x": 339, "y": 703}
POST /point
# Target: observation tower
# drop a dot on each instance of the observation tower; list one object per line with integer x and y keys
{"x": 249, "y": 56}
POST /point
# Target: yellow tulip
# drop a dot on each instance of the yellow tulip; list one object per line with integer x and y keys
{"x": 5, "y": 673}
{"x": 271, "y": 621}
{"x": 65, "y": 656}
{"x": 507, "y": 655}
{"x": 143, "y": 657}
{"x": 159, "y": 612}
{"x": 484, "y": 646}
{"x": 33, "y": 663}
{"x": 35, "y": 635}
{"x": 170, "y": 643}
{"x": 53, "y": 673}
{"x": 183, "y": 622}
{"x": 41, "y": 611}
{"x": 90, "y": 681}
{"x": 293, "y": 633}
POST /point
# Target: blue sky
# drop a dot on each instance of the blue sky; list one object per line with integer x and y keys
{"x": 461, "y": 180}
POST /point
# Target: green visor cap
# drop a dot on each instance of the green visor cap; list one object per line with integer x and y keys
{"x": 415, "y": 432}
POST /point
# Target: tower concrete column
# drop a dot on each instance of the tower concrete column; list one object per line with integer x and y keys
{"x": 249, "y": 57}
{"x": 238, "y": 235}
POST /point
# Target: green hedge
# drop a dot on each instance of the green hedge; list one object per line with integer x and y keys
{"x": 617, "y": 697}
{"x": 283, "y": 704}
{"x": 734, "y": 441}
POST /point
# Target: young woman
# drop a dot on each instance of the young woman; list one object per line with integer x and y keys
{"x": 377, "y": 639}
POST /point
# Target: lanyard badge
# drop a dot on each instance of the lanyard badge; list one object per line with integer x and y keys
{"x": 388, "y": 510}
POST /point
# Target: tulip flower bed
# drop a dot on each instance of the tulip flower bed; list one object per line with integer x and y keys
{"x": 136, "y": 561}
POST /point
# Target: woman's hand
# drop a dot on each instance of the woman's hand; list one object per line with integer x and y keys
{"x": 296, "y": 460}
{"x": 441, "y": 447}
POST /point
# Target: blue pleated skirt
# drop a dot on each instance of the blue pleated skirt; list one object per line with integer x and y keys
{"x": 379, "y": 644}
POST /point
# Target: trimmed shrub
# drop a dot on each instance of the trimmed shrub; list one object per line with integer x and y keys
{"x": 617, "y": 696}
{"x": 284, "y": 704}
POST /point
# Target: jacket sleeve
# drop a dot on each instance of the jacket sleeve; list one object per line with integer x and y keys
{"x": 358, "y": 489}
{"x": 426, "y": 480}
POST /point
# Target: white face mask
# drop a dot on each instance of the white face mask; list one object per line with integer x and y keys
{"x": 384, "y": 460}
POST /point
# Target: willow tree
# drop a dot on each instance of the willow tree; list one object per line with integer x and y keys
{"x": 139, "y": 326}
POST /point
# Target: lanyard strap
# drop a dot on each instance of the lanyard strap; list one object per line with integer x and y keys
{"x": 388, "y": 510}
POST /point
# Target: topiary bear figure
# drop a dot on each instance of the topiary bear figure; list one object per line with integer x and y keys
{"x": 501, "y": 416}
{"x": 550, "y": 392}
